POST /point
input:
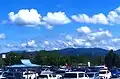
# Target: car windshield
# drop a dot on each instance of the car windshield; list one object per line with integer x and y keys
{"x": 70, "y": 75}
{"x": 6, "y": 74}
{"x": 1, "y": 73}
{"x": 28, "y": 73}
{"x": 43, "y": 76}
{"x": 59, "y": 72}
{"x": 102, "y": 72}
{"x": 90, "y": 74}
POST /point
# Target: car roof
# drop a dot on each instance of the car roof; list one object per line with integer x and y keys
{"x": 92, "y": 72}
{"x": 103, "y": 70}
{"x": 75, "y": 72}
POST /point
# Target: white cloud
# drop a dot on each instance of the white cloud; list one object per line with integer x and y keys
{"x": 87, "y": 44}
{"x": 25, "y": 17}
{"x": 69, "y": 37}
{"x": 48, "y": 26}
{"x": 84, "y": 29}
{"x": 46, "y": 43}
{"x": 111, "y": 18}
{"x": 2, "y": 36}
{"x": 56, "y": 18}
{"x": 95, "y": 19}
{"x": 31, "y": 18}
{"x": 100, "y": 38}
{"x": 116, "y": 40}
{"x": 114, "y": 17}
{"x": 23, "y": 45}
{"x": 103, "y": 34}
{"x": 96, "y": 38}
{"x": 30, "y": 43}
{"x": 78, "y": 41}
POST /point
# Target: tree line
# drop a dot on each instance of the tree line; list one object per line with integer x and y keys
{"x": 111, "y": 59}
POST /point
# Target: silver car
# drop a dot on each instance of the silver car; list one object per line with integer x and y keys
{"x": 93, "y": 75}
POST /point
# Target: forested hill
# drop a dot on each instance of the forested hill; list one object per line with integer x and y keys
{"x": 83, "y": 51}
{"x": 74, "y": 51}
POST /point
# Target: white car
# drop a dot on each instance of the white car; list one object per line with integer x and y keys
{"x": 93, "y": 75}
{"x": 1, "y": 75}
{"x": 75, "y": 75}
{"x": 46, "y": 76}
{"x": 105, "y": 74}
{"x": 30, "y": 75}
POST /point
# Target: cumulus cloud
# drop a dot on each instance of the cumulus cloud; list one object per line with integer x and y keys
{"x": 69, "y": 37}
{"x": 99, "y": 38}
{"x": 31, "y": 18}
{"x": 56, "y": 18}
{"x": 103, "y": 34}
{"x": 92, "y": 38}
{"x": 114, "y": 16}
{"x": 95, "y": 19}
{"x": 25, "y": 17}
{"x": 46, "y": 42}
{"x": 111, "y": 18}
{"x": 84, "y": 30}
{"x": 30, "y": 43}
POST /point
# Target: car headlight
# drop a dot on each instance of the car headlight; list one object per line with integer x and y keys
{"x": 114, "y": 74}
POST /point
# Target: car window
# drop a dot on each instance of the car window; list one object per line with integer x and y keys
{"x": 1, "y": 73}
{"x": 86, "y": 75}
{"x": 70, "y": 75}
{"x": 96, "y": 74}
{"x": 28, "y": 73}
{"x": 90, "y": 74}
{"x": 81, "y": 75}
{"x": 102, "y": 72}
{"x": 50, "y": 75}
{"x": 43, "y": 76}
{"x": 6, "y": 74}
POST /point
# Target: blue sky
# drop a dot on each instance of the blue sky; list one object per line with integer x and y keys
{"x": 57, "y": 24}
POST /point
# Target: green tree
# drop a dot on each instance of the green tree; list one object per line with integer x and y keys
{"x": 12, "y": 58}
{"x": 111, "y": 59}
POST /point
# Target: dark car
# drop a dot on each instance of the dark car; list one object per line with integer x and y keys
{"x": 115, "y": 73}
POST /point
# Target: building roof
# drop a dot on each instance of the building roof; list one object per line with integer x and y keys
{"x": 25, "y": 63}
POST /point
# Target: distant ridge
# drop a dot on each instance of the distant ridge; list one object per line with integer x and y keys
{"x": 75, "y": 51}
{"x": 83, "y": 51}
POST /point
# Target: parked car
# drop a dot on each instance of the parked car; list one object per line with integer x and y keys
{"x": 105, "y": 74}
{"x": 75, "y": 75}
{"x": 115, "y": 73}
{"x": 46, "y": 76}
{"x": 93, "y": 75}
{"x": 30, "y": 75}
{"x": 10, "y": 75}
{"x": 59, "y": 74}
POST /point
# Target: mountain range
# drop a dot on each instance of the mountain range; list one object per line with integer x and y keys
{"x": 77, "y": 51}
{"x": 83, "y": 51}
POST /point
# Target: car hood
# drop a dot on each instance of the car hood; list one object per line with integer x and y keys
{"x": 102, "y": 74}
